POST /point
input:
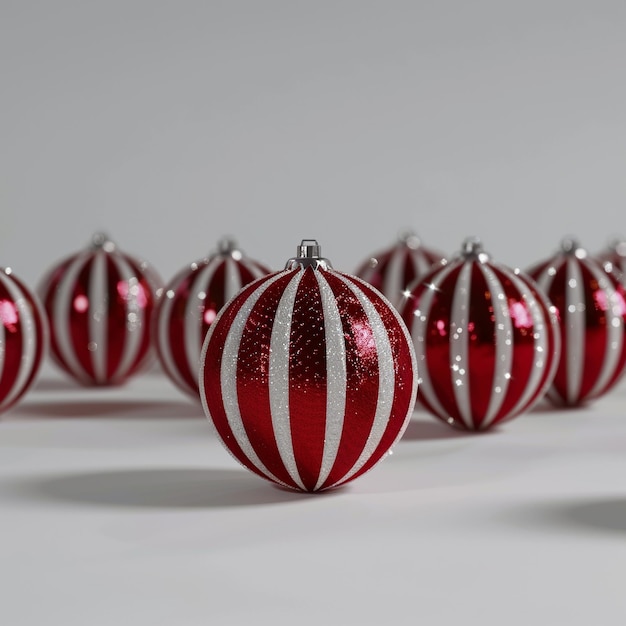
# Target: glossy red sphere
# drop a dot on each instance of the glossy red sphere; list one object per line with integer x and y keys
{"x": 591, "y": 304}
{"x": 308, "y": 376}
{"x": 23, "y": 338}
{"x": 485, "y": 338}
{"x": 99, "y": 303}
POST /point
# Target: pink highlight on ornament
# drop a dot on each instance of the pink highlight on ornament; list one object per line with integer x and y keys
{"x": 362, "y": 334}
{"x": 209, "y": 316}
{"x": 520, "y": 314}
{"x": 602, "y": 301}
{"x": 8, "y": 315}
{"x": 81, "y": 303}
{"x": 442, "y": 327}
{"x": 131, "y": 290}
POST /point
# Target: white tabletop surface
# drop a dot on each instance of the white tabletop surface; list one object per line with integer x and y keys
{"x": 119, "y": 506}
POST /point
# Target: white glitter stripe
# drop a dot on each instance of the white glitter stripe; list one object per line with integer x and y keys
{"x": 336, "y": 378}
{"x": 134, "y": 314}
{"x": 621, "y": 270}
{"x": 194, "y": 313}
{"x": 29, "y": 344}
{"x": 163, "y": 337}
{"x": 418, "y": 337}
{"x": 421, "y": 264}
{"x": 503, "y": 340}
{"x": 392, "y": 282}
{"x": 541, "y": 328}
{"x": 27, "y": 330}
{"x": 3, "y": 280}
{"x": 228, "y": 376}
{"x": 232, "y": 279}
{"x": 556, "y": 348}
{"x": 459, "y": 343}
{"x": 386, "y": 379}
{"x": 98, "y": 319}
{"x": 279, "y": 377}
{"x": 544, "y": 281}
{"x": 414, "y": 368}
{"x": 546, "y": 278}
{"x": 614, "y": 331}
{"x": 62, "y": 303}
{"x": 574, "y": 329}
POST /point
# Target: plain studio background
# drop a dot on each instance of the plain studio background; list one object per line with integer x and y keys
{"x": 171, "y": 124}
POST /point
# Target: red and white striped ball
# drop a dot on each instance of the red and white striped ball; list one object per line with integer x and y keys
{"x": 190, "y": 304}
{"x": 592, "y": 313}
{"x": 486, "y": 340}
{"x": 394, "y": 270}
{"x": 308, "y": 375}
{"x": 99, "y": 303}
{"x": 23, "y": 338}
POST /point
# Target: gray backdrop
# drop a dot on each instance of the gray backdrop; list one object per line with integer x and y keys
{"x": 171, "y": 124}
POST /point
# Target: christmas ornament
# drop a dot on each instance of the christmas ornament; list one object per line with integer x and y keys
{"x": 485, "y": 338}
{"x": 23, "y": 338}
{"x": 190, "y": 304}
{"x": 99, "y": 303}
{"x": 393, "y": 270}
{"x": 308, "y": 375}
{"x": 613, "y": 259}
{"x": 592, "y": 313}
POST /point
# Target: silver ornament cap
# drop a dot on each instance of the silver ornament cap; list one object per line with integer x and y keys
{"x": 472, "y": 250}
{"x": 570, "y": 245}
{"x": 308, "y": 254}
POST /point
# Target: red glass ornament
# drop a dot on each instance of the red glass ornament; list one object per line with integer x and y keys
{"x": 393, "y": 270}
{"x": 485, "y": 338}
{"x": 99, "y": 303}
{"x": 308, "y": 375}
{"x": 592, "y": 313}
{"x": 23, "y": 338}
{"x": 190, "y": 304}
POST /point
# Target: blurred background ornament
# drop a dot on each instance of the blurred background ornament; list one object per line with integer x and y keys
{"x": 308, "y": 375}
{"x": 486, "y": 340}
{"x": 190, "y": 304}
{"x": 394, "y": 269}
{"x": 592, "y": 312}
{"x": 99, "y": 303}
{"x": 23, "y": 338}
